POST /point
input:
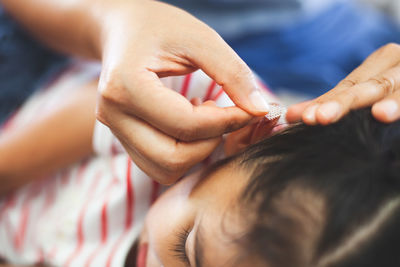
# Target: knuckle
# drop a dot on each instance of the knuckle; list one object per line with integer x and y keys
{"x": 348, "y": 82}
{"x": 354, "y": 98}
{"x": 112, "y": 91}
{"x": 174, "y": 164}
{"x": 181, "y": 133}
{"x": 385, "y": 84}
{"x": 232, "y": 124}
{"x": 186, "y": 131}
{"x": 101, "y": 114}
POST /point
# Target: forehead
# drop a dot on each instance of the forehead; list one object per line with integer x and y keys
{"x": 219, "y": 223}
{"x": 215, "y": 241}
{"x": 224, "y": 252}
{"x": 222, "y": 186}
{"x": 224, "y": 220}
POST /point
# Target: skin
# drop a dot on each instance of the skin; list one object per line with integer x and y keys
{"x": 138, "y": 43}
{"x": 49, "y": 142}
{"x": 209, "y": 204}
{"x": 375, "y": 83}
{"x": 53, "y": 140}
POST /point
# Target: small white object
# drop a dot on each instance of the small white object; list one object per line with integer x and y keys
{"x": 275, "y": 111}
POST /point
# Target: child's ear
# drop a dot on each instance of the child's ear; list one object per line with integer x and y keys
{"x": 250, "y": 134}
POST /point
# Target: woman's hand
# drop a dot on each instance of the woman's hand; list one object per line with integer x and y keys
{"x": 140, "y": 41}
{"x": 161, "y": 130}
{"x": 375, "y": 83}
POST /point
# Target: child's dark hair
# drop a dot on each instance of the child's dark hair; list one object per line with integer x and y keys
{"x": 325, "y": 196}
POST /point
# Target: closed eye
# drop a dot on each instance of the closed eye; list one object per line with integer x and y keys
{"x": 179, "y": 248}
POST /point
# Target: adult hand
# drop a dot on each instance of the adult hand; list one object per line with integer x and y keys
{"x": 161, "y": 130}
{"x": 376, "y": 83}
{"x": 140, "y": 41}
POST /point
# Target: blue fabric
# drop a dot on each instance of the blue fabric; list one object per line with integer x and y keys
{"x": 315, "y": 55}
{"x": 24, "y": 64}
{"x": 233, "y": 18}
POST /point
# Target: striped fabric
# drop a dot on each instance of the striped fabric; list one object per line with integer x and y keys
{"x": 88, "y": 214}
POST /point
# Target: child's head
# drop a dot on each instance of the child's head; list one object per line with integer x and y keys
{"x": 308, "y": 196}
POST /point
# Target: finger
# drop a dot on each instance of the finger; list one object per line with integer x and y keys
{"x": 295, "y": 111}
{"x": 167, "y": 110}
{"x": 382, "y": 59}
{"x": 309, "y": 114}
{"x": 305, "y": 111}
{"x": 387, "y": 110}
{"x": 169, "y": 158}
{"x": 361, "y": 95}
{"x": 379, "y": 61}
{"x": 151, "y": 167}
{"x": 148, "y": 166}
{"x": 218, "y": 60}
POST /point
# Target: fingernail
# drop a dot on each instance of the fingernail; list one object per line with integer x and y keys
{"x": 309, "y": 114}
{"x": 329, "y": 110}
{"x": 389, "y": 107}
{"x": 258, "y": 101}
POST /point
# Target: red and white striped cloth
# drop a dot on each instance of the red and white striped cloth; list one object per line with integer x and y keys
{"x": 88, "y": 214}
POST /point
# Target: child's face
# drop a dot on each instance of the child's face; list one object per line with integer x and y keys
{"x": 199, "y": 218}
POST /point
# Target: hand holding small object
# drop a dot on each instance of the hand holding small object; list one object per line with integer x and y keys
{"x": 138, "y": 42}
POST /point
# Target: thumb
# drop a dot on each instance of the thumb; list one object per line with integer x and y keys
{"x": 218, "y": 60}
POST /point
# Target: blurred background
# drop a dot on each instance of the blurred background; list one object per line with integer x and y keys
{"x": 301, "y": 48}
{"x": 390, "y": 7}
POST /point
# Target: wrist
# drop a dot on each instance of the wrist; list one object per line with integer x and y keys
{"x": 106, "y": 22}
{"x": 93, "y": 14}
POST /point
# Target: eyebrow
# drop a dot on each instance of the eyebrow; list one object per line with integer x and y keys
{"x": 198, "y": 249}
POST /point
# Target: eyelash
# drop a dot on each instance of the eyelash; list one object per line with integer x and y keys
{"x": 179, "y": 248}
